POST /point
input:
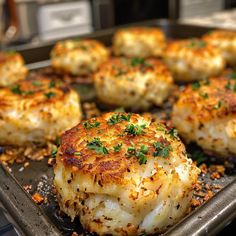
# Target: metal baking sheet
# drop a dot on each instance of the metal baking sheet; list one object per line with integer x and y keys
{"x": 46, "y": 220}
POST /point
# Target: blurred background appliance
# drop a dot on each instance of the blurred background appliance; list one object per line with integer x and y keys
{"x": 40, "y": 20}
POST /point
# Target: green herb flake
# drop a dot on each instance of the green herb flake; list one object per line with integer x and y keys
{"x": 97, "y": 146}
{"x": 196, "y": 85}
{"x": 120, "y": 72}
{"x": 116, "y": 118}
{"x": 218, "y": 105}
{"x": 198, "y": 156}
{"x": 140, "y": 154}
{"x": 54, "y": 152}
{"x": 161, "y": 149}
{"x": 93, "y": 124}
{"x": 16, "y": 89}
{"x": 173, "y": 133}
{"x": 196, "y": 44}
{"x": 135, "y": 129}
{"x": 228, "y": 86}
{"x": 77, "y": 153}
{"x": 118, "y": 147}
{"x": 52, "y": 84}
{"x": 232, "y": 75}
{"x": 49, "y": 95}
{"x": 137, "y": 61}
{"x": 204, "y": 95}
{"x": 36, "y": 83}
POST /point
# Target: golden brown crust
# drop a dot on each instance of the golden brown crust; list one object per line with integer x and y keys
{"x": 193, "y": 59}
{"x": 225, "y": 40}
{"x": 214, "y": 98}
{"x": 110, "y": 167}
{"x": 134, "y": 82}
{"x": 37, "y": 111}
{"x": 33, "y": 92}
{"x": 139, "y": 41}
{"x": 78, "y": 57}
{"x": 12, "y": 68}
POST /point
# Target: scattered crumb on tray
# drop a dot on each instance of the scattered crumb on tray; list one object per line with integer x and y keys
{"x": 38, "y": 198}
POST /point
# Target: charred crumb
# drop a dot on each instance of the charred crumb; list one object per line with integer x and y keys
{"x": 38, "y": 198}
{"x": 27, "y": 188}
{"x": 51, "y": 162}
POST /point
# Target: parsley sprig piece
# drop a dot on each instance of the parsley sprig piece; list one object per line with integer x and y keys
{"x": 173, "y": 133}
{"x": 218, "y": 105}
{"x": 97, "y": 146}
{"x": 49, "y": 95}
{"x": 16, "y": 89}
{"x": 116, "y": 118}
{"x": 198, "y": 156}
{"x": 135, "y": 129}
{"x": 233, "y": 75}
{"x": 93, "y": 124}
{"x": 136, "y": 61}
{"x": 196, "y": 85}
{"x": 140, "y": 154}
{"x": 37, "y": 83}
{"x": 52, "y": 84}
{"x": 54, "y": 152}
{"x": 194, "y": 43}
{"x": 161, "y": 149}
{"x": 118, "y": 147}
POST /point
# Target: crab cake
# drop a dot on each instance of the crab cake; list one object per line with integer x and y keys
{"x": 78, "y": 57}
{"x": 36, "y": 111}
{"x": 139, "y": 42}
{"x": 193, "y": 59}
{"x": 123, "y": 175}
{"x": 12, "y": 68}
{"x": 135, "y": 82}
{"x": 225, "y": 40}
{"x": 206, "y": 114}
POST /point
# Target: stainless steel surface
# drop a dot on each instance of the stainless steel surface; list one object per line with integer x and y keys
{"x": 27, "y": 215}
{"x": 211, "y": 217}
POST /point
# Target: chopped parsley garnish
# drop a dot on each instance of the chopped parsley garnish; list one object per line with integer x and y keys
{"x": 218, "y": 105}
{"x": 54, "y": 152}
{"x": 196, "y": 85}
{"x": 120, "y": 72}
{"x": 140, "y": 154}
{"x": 83, "y": 47}
{"x": 51, "y": 84}
{"x": 204, "y": 95}
{"x": 49, "y": 95}
{"x": 161, "y": 149}
{"x": 93, "y": 124}
{"x": 198, "y": 156}
{"x": 58, "y": 141}
{"x": 97, "y": 146}
{"x": 117, "y": 148}
{"x": 16, "y": 89}
{"x": 36, "y": 83}
{"x": 77, "y": 153}
{"x": 173, "y": 133}
{"x": 116, "y": 118}
{"x": 135, "y": 129}
{"x": 232, "y": 75}
{"x": 196, "y": 43}
{"x": 139, "y": 61}
{"x": 228, "y": 85}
